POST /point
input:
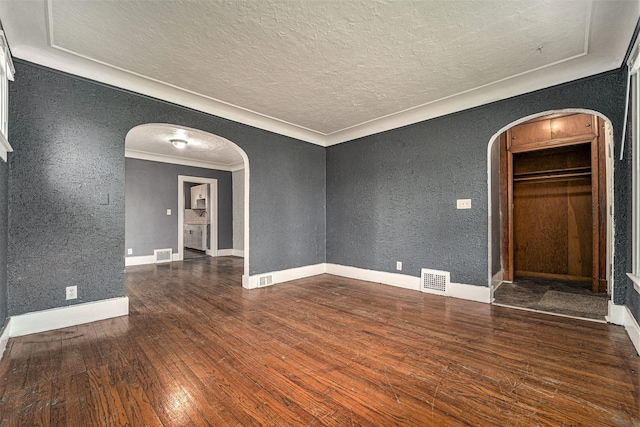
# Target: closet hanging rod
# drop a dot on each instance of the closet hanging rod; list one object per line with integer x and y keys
{"x": 553, "y": 171}
{"x": 555, "y": 177}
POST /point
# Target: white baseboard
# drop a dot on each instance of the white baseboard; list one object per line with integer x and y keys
{"x": 456, "y": 290}
{"x": 4, "y": 337}
{"x": 230, "y": 252}
{"x": 252, "y": 282}
{"x": 616, "y": 314}
{"x": 633, "y": 330}
{"x": 621, "y": 315}
{"x": 470, "y": 292}
{"x": 138, "y": 260}
{"x": 146, "y": 259}
{"x": 63, "y": 317}
{"x": 393, "y": 279}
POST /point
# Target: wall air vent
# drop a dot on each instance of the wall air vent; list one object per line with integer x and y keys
{"x": 265, "y": 280}
{"x": 434, "y": 281}
{"x": 161, "y": 255}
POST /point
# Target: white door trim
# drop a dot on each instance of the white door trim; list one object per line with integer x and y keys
{"x": 212, "y": 212}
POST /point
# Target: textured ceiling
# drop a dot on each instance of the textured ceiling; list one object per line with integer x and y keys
{"x": 203, "y": 149}
{"x": 324, "y": 71}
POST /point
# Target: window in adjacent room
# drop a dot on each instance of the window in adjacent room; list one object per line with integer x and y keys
{"x": 6, "y": 74}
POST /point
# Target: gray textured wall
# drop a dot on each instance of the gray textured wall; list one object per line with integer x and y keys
{"x": 150, "y": 189}
{"x": 624, "y": 220}
{"x": 66, "y": 154}
{"x": 392, "y": 196}
{"x": 68, "y": 134}
{"x": 4, "y": 211}
{"x": 238, "y": 209}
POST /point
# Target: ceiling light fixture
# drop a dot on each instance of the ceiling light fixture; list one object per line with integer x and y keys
{"x": 178, "y": 143}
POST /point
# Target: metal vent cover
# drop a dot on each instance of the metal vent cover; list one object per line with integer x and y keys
{"x": 162, "y": 255}
{"x": 266, "y": 280}
{"x": 434, "y": 281}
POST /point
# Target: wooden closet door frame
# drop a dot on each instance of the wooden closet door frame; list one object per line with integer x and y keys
{"x": 595, "y": 211}
{"x": 507, "y": 185}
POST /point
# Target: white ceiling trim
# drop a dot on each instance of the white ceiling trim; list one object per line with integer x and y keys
{"x": 165, "y": 91}
{"x": 599, "y": 56}
{"x": 142, "y": 155}
{"x": 558, "y": 73}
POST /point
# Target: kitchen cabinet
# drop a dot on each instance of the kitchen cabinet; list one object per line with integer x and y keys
{"x": 195, "y": 236}
{"x": 199, "y": 195}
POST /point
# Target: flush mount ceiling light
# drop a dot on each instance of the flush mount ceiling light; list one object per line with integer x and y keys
{"x": 178, "y": 143}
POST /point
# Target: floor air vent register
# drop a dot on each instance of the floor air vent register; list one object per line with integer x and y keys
{"x": 266, "y": 280}
{"x": 161, "y": 255}
{"x": 434, "y": 281}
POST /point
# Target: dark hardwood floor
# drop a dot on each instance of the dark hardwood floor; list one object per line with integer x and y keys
{"x": 198, "y": 349}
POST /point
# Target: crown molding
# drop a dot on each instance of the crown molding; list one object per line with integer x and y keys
{"x": 605, "y": 46}
{"x": 142, "y": 155}
{"x": 565, "y": 71}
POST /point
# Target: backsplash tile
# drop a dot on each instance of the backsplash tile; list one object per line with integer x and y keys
{"x": 191, "y": 217}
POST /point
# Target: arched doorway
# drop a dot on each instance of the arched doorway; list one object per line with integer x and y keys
{"x": 188, "y": 150}
{"x": 541, "y": 189}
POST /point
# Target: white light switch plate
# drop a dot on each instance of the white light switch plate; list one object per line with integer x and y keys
{"x": 168, "y": 211}
{"x": 464, "y": 203}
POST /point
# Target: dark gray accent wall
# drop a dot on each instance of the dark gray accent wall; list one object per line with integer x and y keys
{"x": 68, "y": 135}
{"x": 392, "y": 196}
{"x": 67, "y": 161}
{"x": 150, "y": 189}
{"x": 624, "y": 220}
{"x": 4, "y": 211}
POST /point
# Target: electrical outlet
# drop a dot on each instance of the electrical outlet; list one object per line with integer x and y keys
{"x": 398, "y": 265}
{"x": 464, "y": 203}
{"x": 72, "y": 292}
{"x": 168, "y": 211}
{"x": 129, "y": 251}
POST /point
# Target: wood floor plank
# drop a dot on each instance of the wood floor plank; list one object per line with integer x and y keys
{"x": 198, "y": 349}
{"x": 72, "y": 358}
{"x": 58, "y": 416}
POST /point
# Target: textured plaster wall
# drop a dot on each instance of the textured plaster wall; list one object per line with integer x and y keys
{"x": 150, "y": 189}
{"x": 392, "y": 196}
{"x": 238, "y": 209}
{"x": 68, "y": 134}
{"x": 4, "y": 211}
{"x": 68, "y": 156}
{"x": 624, "y": 218}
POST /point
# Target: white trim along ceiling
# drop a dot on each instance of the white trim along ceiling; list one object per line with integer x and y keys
{"x": 330, "y": 71}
